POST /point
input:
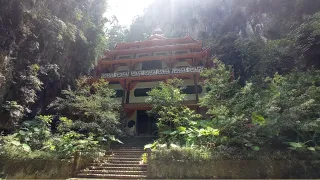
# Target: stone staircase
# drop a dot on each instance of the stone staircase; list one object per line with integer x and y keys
{"x": 122, "y": 162}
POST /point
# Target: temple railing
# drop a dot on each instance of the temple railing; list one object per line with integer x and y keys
{"x": 153, "y": 72}
{"x": 115, "y": 75}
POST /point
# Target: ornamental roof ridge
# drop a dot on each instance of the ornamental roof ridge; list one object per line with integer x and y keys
{"x": 151, "y": 41}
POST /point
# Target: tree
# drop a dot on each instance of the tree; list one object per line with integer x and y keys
{"x": 257, "y": 38}
{"x": 91, "y": 106}
{"x": 46, "y": 45}
{"x": 283, "y": 110}
{"x": 177, "y": 123}
{"x": 116, "y": 34}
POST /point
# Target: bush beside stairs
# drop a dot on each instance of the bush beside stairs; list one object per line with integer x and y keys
{"x": 122, "y": 162}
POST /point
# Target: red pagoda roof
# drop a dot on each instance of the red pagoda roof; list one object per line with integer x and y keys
{"x": 194, "y": 45}
{"x": 155, "y": 40}
{"x": 201, "y": 54}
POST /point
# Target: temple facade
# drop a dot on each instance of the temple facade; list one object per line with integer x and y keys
{"x": 134, "y": 68}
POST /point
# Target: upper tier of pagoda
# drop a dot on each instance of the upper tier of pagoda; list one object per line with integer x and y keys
{"x": 131, "y": 59}
{"x": 157, "y": 42}
{"x": 156, "y": 39}
{"x": 155, "y": 59}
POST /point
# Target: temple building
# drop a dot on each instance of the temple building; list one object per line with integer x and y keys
{"x": 134, "y": 68}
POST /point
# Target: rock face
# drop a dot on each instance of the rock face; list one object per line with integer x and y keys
{"x": 44, "y": 48}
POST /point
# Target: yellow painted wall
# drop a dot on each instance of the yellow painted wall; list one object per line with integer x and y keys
{"x": 151, "y": 85}
{"x": 133, "y": 117}
{"x": 131, "y": 56}
{"x": 167, "y": 53}
{"x": 122, "y": 68}
{"x": 154, "y": 84}
{"x": 181, "y": 63}
{"x": 187, "y": 50}
{"x": 134, "y": 99}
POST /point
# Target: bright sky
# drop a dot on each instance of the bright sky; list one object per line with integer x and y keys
{"x": 126, "y": 10}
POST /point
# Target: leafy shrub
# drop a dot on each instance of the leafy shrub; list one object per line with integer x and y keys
{"x": 36, "y": 140}
{"x": 12, "y": 113}
{"x": 176, "y": 122}
{"x": 67, "y": 144}
{"x": 91, "y": 106}
{"x": 182, "y": 154}
{"x": 285, "y": 109}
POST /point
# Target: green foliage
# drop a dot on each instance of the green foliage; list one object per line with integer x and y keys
{"x": 230, "y": 107}
{"x": 116, "y": 34}
{"x": 35, "y": 132}
{"x": 258, "y": 38}
{"x": 13, "y": 112}
{"x": 12, "y": 148}
{"x": 294, "y": 106}
{"x": 91, "y": 106}
{"x": 144, "y": 158}
{"x": 285, "y": 110}
{"x": 66, "y": 144}
{"x": 182, "y": 154}
{"x": 46, "y": 45}
{"x": 176, "y": 122}
{"x": 35, "y": 140}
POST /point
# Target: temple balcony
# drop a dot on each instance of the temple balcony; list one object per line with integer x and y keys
{"x": 168, "y": 57}
{"x": 153, "y": 72}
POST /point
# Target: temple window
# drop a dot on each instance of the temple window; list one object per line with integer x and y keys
{"x": 191, "y": 89}
{"x": 124, "y": 57}
{"x": 161, "y": 54}
{"x": 119, "y": 93}
{"x": 143, "y": 55}
{"x": 181, "y": 52}
{"x": 182, "y": 66}
{"x": 141, "y": 92}
{"x": 149, "y": 65}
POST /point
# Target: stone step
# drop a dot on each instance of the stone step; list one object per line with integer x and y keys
{"x": 126, "y": 168}
{"x": 97, "y": 179}
{"x": 129, "y": 157}
{"x": 110, "y": 176}
{"x": 116, "y": 165}
{"x": 128, "y": 147}
{"x": 136, "y": 155}
{"x": 128, "y": 152}
{"x": 123, "y": 162}
{"x": 124, "y": 159}
{"x": 105, "y": 171}
{"x": 125, "y": 156}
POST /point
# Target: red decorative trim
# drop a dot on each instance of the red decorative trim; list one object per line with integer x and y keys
{"x": 129, "y": 112}
{"x": 132, "y": 85}
{"x": 145, "y": 78}
{"x": 189, "y": 61}
{"x": 122, "y": 83}
{"x": 171, "y": 58}
{"x": 149, "y": 43}
{"x": 195, "y": 45}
